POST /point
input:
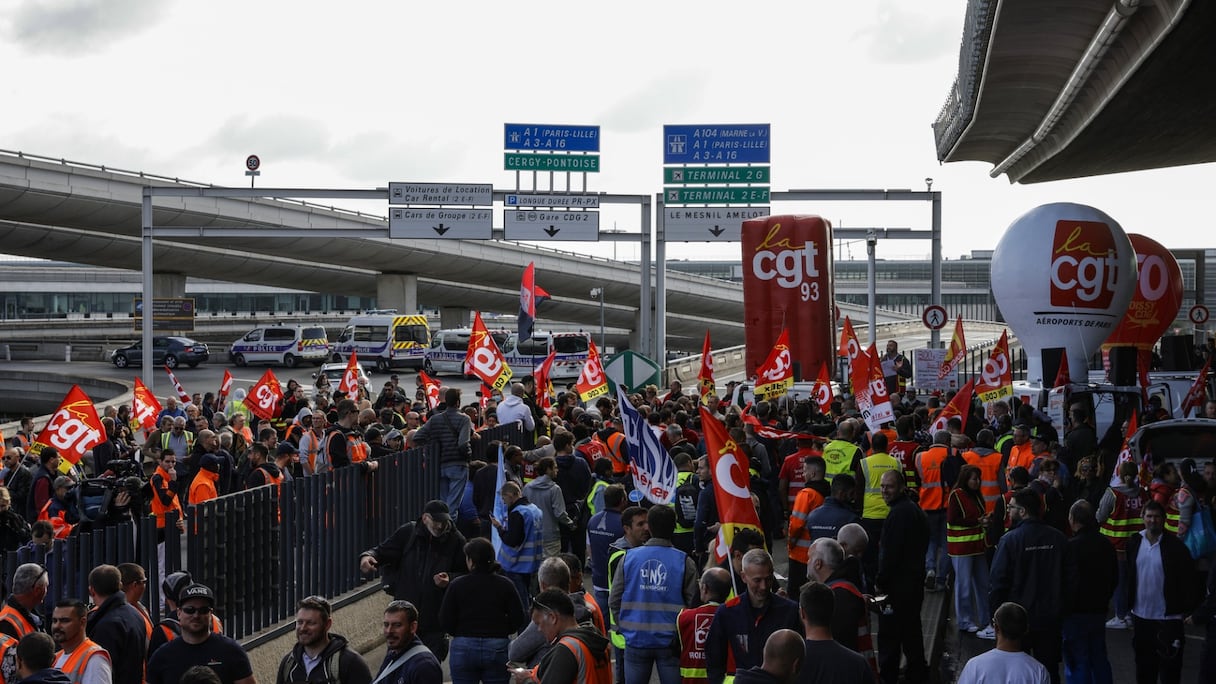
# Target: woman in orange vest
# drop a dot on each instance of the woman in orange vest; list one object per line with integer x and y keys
{"x": 164, "y": 494}
{"x": 966, "y": 518}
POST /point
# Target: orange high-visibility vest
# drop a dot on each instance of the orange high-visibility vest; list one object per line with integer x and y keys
{"x": 929, "y": 467}
{"x": 79, "y": 659}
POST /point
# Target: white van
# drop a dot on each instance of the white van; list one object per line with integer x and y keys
{"x": 448, "y": 348}
{"x": 386, "y": 339}
{"x": 289, "y": 345}
{"x": 570, "y": 349}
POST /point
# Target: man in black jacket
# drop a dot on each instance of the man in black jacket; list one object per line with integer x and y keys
{"x": 419, "y": 560}
{"x": 1032, "y": 569}
{"x": 1160, "y": 560}
{"x": 334, "y": 661}
{"x": 117, "y": 626}
{"x": 901, "y": 576}
{"x": 1084, "y": 632}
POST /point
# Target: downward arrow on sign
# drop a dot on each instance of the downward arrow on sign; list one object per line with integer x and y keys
{"x": 441, "y": 229}
{"x": 552, "y": 231}
{"x": 717, "y": 230}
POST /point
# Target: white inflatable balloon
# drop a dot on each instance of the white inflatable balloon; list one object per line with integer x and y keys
{"x": 1063, "y": 275}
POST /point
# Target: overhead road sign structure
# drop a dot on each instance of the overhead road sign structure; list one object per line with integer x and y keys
{"x": 708, "y": 224}
{"x": 715, "y": 195}
{"x": 467, "y": 194}
{"x": 551, "y": 225}
{"x": 717, "y": 174}
{"x": 720, "y": 143}
{"x": 415, "y": 223}
{"x": 551, "y": 137}
{"x": 574, "y": 163}
{"x": 552, "y": 201}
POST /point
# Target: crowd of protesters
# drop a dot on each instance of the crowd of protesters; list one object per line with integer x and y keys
{"x": 1043, "y": 534}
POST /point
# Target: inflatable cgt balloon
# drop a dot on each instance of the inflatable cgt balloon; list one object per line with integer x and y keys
{"x": 1062, "y": 276}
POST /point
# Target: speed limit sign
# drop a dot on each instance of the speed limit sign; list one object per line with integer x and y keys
{"x": 252, "y": 162}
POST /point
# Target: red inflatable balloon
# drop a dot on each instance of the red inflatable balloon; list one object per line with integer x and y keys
{"x": 1157, "y": 298}
{"x": 787, "y": 283}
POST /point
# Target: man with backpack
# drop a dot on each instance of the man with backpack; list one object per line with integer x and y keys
{"x": 320, "y": 656}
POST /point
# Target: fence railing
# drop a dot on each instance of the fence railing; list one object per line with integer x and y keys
{"x": 264, "y": 549}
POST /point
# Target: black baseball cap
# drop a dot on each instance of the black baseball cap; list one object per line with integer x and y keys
{"x": 198, "y": 591}
{"x": 438, "y": 511}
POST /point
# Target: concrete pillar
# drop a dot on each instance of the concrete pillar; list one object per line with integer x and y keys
{"x": 636, "y": 342}
{"x": 453, "y": 317}
{"x": 397, "y": 291}
{"x": 168, "y": 285}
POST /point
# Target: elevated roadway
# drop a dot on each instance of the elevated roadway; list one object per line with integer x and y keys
{"x": 91, "y": 215}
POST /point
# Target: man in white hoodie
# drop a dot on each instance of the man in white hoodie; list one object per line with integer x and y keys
{"x": 513, "y": 409}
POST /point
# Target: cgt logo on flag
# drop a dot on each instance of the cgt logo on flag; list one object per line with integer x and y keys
{"x": 73, "y": 429}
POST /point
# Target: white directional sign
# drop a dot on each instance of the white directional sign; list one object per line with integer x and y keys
{"x": 434, "y": 222}
{"x": 707, "y": 224}
{"x": 552, "y": 201}
{"x": 475, "y": 194}
{"x": 551, "y": 225}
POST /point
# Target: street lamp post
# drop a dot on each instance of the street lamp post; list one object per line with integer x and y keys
{"x": 598, "y": 293}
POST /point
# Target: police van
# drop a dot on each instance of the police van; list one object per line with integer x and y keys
{"x": 289, "y": 345}
{"x": 385, "y": 338}
{"x": 448, "y": 348}
{"x": 570, "y": 352}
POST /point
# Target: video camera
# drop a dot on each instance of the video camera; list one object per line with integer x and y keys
{"x": 96, "y": 495}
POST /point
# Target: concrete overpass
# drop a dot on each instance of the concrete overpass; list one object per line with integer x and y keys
{"x": 91, "y": 215}
{"x": 1049, "y": 90}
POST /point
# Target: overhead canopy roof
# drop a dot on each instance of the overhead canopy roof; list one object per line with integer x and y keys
{"x": 1049, "y": 90}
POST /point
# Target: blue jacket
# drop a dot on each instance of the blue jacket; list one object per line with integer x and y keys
{"x": 603, "y": 529}
{"x": 742, "y": 630}
{"x": 118, "y": 627}
{"x": 421, "y": 669}
{"x": 827, "y": 520}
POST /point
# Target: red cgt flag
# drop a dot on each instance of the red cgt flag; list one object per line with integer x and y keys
{"x": 731, "y": 484}
{"x": 483, "y": 359}
{"x": 592, "y": 382}
{"x": 544, "y": 387}
{"x": 775, "y": 376}
{"x": 144, "y": 406}
{"x": 225, "y": 386}
{"x": 705, "y": 377}
{"x": 73, "y": 429}
{"x": 430, "y": 387}
{"x": 958, "y": 347}
{"x": 823, "y": 389}
{"x": 264, "y": 396}
{"x": 959, "y": 406}
{"x": 349, "y": 384}
{"x": 182, "y": 395}
{"x": 1197, "y": 394}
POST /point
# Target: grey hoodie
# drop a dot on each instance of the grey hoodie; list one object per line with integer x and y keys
{"x": 547, "y": 496}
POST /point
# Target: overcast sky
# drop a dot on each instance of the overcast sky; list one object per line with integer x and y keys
{"x": 358, "y": 94}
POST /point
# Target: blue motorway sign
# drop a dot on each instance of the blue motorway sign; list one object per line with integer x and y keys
{"x": 722, "y": 143}
{"x": 551, "y": 137}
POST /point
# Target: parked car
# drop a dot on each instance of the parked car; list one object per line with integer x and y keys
{"x": 335, "y": 371}
{"x": 166, "y": 350}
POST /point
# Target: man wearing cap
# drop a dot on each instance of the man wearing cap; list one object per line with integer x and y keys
{"x": 319, "y": 655}
{"x": 419, "y": 559}
{"x": 116, "y": 626}
{"x": 198, "y": 645}
{"x": 170, "y": 628}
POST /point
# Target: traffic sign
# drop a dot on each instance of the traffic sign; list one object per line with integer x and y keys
{"x": 717, "y": 174}
{"x": 715, "y": 195}
{"x": 434, "y": 222}
{"x": 632, "y": 370}
{"x": 551, "y": 225}
{"x": 552, "y": 201}
{"x": 476, "y": 194}
{"x": 252, "y": 162}
{"x": 572, "y": 163}
{"x": 551, "y": 137}
{"x": 726, "y": 143}
{"x": 934, "y": 317}
{"x": 1199, "y": 314}
{"x": 707, "y": 224}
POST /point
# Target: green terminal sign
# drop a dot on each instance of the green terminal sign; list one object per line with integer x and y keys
{"x": 717, "y": 174}
{"x": 574, "y": 163}
{"x": 715, "y": 195}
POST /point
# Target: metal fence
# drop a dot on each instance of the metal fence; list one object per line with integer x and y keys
{"x": 263, "y": 549}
